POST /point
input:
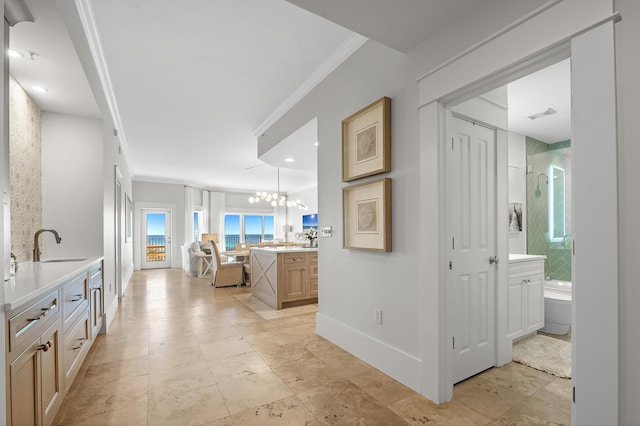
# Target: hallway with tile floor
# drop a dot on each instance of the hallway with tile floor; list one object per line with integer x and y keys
{"x": 180, "y": 352}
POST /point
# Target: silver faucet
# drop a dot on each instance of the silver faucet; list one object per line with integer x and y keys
{"x": 36, "y": 247}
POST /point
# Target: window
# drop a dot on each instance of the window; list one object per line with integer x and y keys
{"x": 255, "y": 229}
{"x": 198, "y": 217}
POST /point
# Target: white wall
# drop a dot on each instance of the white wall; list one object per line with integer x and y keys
{"x": 294, "y": 215}
{"x": 113, "y": 155}
{"x": 517, "y": 189}
{"x": 72, "y": 182}
{"x": 354, "y": 283}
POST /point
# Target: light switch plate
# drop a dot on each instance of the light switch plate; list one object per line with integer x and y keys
{"x": 325, "y": 231}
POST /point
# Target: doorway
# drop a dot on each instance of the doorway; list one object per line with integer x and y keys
{"x": 156, "y": 239}
{"x": 595, "y": 372}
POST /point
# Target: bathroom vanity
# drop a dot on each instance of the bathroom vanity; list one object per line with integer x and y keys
{"x": 525, "y": 306}
{"x": 284, "y": 276}
{"x": 54, "y": 311}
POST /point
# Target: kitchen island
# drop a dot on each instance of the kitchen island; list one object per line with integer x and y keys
{"x": 284, "y": 276}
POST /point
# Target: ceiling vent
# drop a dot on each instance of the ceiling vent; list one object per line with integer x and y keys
{"x": 549, "y": 111}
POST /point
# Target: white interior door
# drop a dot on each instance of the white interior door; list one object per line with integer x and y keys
{"x": 471, "y": 204}
{"x": 156, "y": 244}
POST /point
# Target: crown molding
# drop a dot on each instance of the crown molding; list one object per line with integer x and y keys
{"x": 337, "y": 57}
{"x": 87, "y": 18}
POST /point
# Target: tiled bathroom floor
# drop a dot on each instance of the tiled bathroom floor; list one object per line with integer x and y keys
{"x": 181, "y": 352}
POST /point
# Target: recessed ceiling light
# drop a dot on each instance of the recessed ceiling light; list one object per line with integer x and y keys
{"x": 289, "y": 160}
{"x": 40, "y": 89}
{"x": 14, "y": 54}
{"x": 316, "y": 144}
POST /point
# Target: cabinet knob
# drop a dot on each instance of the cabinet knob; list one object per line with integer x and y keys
{"x": 46, "y": 346}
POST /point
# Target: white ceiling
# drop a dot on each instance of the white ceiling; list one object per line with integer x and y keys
{"x": 535, "y": 93}
{"x": 194, "y": 80}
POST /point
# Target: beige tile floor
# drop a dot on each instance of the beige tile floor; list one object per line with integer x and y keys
{"x": 181, "y": 352}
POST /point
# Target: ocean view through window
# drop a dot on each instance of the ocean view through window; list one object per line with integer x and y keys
{"x": 246, "y": 228}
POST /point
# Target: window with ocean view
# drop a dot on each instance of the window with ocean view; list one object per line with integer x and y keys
{"x": 245, "y": 228}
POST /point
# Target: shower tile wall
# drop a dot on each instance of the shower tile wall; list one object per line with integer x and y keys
{"x": 539, "y": 157}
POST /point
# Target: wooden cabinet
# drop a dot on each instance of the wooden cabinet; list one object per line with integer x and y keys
{"x": 96, "y": 300}
{"x": 285, "y": 277}
{"x": 35, "y": 382}
{"x": 313, "y": 274}
{"x": 295, "y": 276}
{"x": 75, "y": 298}
{"x": 48, "y": 340}
{"x": 525, "y": 307}
{"x": 76, "y": 345}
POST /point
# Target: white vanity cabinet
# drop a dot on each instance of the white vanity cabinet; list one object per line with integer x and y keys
{"x": 525, "y": 307}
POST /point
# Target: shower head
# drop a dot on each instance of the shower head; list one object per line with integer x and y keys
{"x": 538, "y": 193}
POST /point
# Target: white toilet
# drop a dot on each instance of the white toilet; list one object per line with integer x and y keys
{"x": 557, "y": 307}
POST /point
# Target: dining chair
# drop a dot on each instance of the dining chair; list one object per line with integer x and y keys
{"x": 224, "y": 274}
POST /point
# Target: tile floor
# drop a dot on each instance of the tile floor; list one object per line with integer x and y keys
{"x": 181, "y": 352}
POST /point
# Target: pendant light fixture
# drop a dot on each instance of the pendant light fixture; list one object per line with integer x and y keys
{"x": 276, "y": 199}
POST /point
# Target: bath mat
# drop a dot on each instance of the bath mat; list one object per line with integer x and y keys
{"x": 544, "y": 353}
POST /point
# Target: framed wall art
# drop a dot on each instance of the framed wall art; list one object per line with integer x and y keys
{"x": 366, "y": 215}
{"x": 366, "y": 141}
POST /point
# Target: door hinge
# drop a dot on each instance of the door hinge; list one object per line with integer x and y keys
{"x": 452, "y": 144}
{"x": 450, "y": 265}
{"x": 454, "y": 343}
{"x": 453, "y": 243}
{"x": 574, "y": 395}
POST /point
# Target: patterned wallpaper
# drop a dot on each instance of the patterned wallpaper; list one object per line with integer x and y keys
{"x": 25, "y": 170}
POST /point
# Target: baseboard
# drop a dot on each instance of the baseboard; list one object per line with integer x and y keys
{"x": 394, "y": 362}
{"x": 111, "y": 312}
{"x": 127, "y": 277}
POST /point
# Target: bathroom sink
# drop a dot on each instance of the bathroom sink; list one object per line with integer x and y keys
{"x": 70, "y": 259}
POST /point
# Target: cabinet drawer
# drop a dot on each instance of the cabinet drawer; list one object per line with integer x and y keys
{"x": 31, "y": 322}
{"x": 519, "y": 269}
{"x": 74, "y": 298}
{"x": 76, "y": 345}
{"x": 95, "y": 278}
{"x": 294, "y": 259}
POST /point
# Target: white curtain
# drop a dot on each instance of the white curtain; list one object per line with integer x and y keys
{"x": 279, "y": 222}
{"x": 189, "y": 200}
{"x": 216, "y": 214}
{"x": 206, "y": 212}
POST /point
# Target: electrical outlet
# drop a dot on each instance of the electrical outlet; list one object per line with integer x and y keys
{"x": 378, "y": 316}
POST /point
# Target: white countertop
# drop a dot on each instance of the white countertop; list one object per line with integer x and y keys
{"x": 285, "y": 249}
{"x": 34, "y": 279}
{"x": 514, "y": 258}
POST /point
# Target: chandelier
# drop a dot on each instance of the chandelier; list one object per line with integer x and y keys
{"x": 276, "y": 199}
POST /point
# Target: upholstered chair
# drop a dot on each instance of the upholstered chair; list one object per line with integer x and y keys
{"x": 224, "y": 274}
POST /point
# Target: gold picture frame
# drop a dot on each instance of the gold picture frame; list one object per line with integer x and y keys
{"x": 366, "y": 141}
{"x": 366, "y": 216}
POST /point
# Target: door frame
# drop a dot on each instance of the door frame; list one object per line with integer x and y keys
{"x": 118, "y": 230}
{"x": 138, "y": 243}
{"x": 595, "y": 402}
{"x": 168, "y": 237}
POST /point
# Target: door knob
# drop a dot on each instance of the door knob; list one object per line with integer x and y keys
{"x": 493, "y": 259}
